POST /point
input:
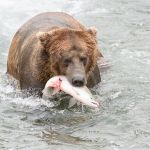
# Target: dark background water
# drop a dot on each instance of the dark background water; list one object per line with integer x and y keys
{"x": 123, "y": 121}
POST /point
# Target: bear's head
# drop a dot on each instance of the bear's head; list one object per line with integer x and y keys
{"x": 71, "y": 52}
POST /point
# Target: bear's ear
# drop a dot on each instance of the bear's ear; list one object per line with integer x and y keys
{"x": 43, "y": 37}
{"x": 92, "y": 31}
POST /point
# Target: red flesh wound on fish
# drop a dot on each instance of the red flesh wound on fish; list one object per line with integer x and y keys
{"x": 57, "y": 86}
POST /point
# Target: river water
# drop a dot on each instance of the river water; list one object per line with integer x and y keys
{"x": 123, "y": 120}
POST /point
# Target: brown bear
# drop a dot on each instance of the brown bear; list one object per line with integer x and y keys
{"x": 50, "y": 44}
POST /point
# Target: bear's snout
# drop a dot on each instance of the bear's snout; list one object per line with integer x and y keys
{"x": 78, "y": 80}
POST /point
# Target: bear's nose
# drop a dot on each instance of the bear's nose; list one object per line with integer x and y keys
{"x": 78, "y": 81}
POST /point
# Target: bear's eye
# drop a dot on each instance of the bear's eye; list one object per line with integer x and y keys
{"x": 83, "y": 60}
{"x": 67, "y": 61}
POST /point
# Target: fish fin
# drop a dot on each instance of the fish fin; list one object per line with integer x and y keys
{"x": 72, "y": 102}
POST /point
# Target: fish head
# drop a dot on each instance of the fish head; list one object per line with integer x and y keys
{"x": 54, "y": 82}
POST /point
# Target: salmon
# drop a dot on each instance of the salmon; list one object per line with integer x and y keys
{"x": 80, "y": 94}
